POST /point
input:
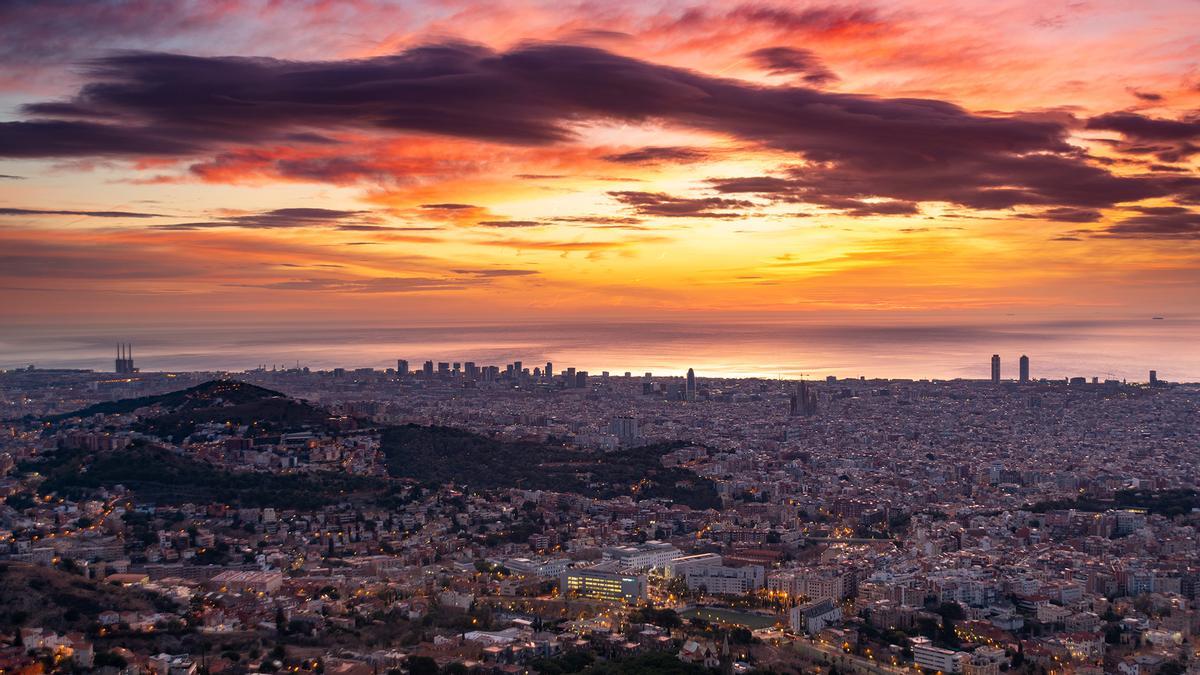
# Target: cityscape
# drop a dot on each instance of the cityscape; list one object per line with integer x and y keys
{"x": 599, "y": 337}
{"x": 456, "y": 516}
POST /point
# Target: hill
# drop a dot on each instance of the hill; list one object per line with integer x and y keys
{"x": 204, "y": 395}
{"x": 428, "y": 454}
{"x": 157, "y": 475}
{"x": 442, "y": 454}
{"x": 176, "y": 415}
{"x": 31, "y": 595}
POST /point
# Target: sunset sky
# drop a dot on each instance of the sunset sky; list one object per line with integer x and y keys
{"x": 456, "y": 162}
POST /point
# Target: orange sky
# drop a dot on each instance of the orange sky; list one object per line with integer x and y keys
{"x": 461, "y": 161}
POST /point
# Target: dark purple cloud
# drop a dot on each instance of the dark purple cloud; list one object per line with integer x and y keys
{"x": 328, "y": 169}
{"x": 509, "y": 223}
{"x": 661, "y": 204}
{"x": 853, "y": 146}
{"x": 606, "y": 221}
{"x": 988, "y": 181}
{"x": 831, "y": 18}
{"x": 1158, "y": 222}
{"x": 792, "y": 61}
{"x": 448, "y": 207}
{"x": 1143, "y": 128}
{"x": 280, "y": 219}
{"x": 372, "y": 285}
{"x": 89, "y": 214}
{"x": 1167, "y": 140}
{"x": 658, "y": 154}
{"x": 1064, "y": 214}
{"x": 175, "y": 104}
{"x": 74, "y": 138}
{"x": 1148, "y": 96}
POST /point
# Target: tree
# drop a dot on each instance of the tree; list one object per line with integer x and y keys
{"x": 666, "y": 618}
{"x": 741, "y": 636}
{"x": 421, "y": 665}
{"x": 677, "y": 587}
{"x": 947, "y": 634}
{"x": 112, "y": 659}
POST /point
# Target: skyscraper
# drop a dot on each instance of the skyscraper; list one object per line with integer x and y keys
{"x": 995, "y": 369}
{"x": 549, "y": 370}
{"x": 1024, "y": 368}
{"x": 401, "y": 367}
{"x": 625, "y": 428}
{"x": 690, "y": 392}
{"x": 1153, "y": 378}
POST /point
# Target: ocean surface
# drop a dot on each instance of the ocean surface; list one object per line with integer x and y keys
{"x": 1123, "y": 349}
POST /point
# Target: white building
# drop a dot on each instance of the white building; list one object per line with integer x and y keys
{"x": 814, "y": 616}
{"x": 935, "y": 658}
{"x": 677, "y": 566}
{"x": 722, "y": 580}
{"x": 545, "y": 568}
{"x": 650, "y": 555}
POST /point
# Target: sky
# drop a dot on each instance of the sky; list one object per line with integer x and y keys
{"x": 315, "y": 163}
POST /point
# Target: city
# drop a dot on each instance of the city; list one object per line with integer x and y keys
{"x": 599, "y": 337}
{"x": 515, "y": 519}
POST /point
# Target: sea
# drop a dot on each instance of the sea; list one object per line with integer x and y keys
{"x": 1125, "y": 349}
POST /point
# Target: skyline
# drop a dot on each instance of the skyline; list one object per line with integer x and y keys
{"x": 260, "y": 166}
{"x": 770, "y": 351}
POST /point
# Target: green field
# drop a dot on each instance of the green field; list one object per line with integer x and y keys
{"x": 730, "y": 616}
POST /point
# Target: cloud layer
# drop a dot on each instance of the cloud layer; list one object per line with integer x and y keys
{"x": 847, "y": 147}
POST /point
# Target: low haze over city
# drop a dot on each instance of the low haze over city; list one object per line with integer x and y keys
{"x": 442, "y": 337}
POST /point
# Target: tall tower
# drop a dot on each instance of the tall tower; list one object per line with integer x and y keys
{"x": 1154, "y": 378}
{"x": 625, "y": 428}
{"x": 995, "y": 369}
{"x": 1024, "y": 368}
{"x": 690, "y": 392}
{"x": 124, "y": 362}
{"x": 802, "y": 401}
{"x": 402, "y": 367}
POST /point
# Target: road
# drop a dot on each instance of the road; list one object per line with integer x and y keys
{"x": 833, "y": 655}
